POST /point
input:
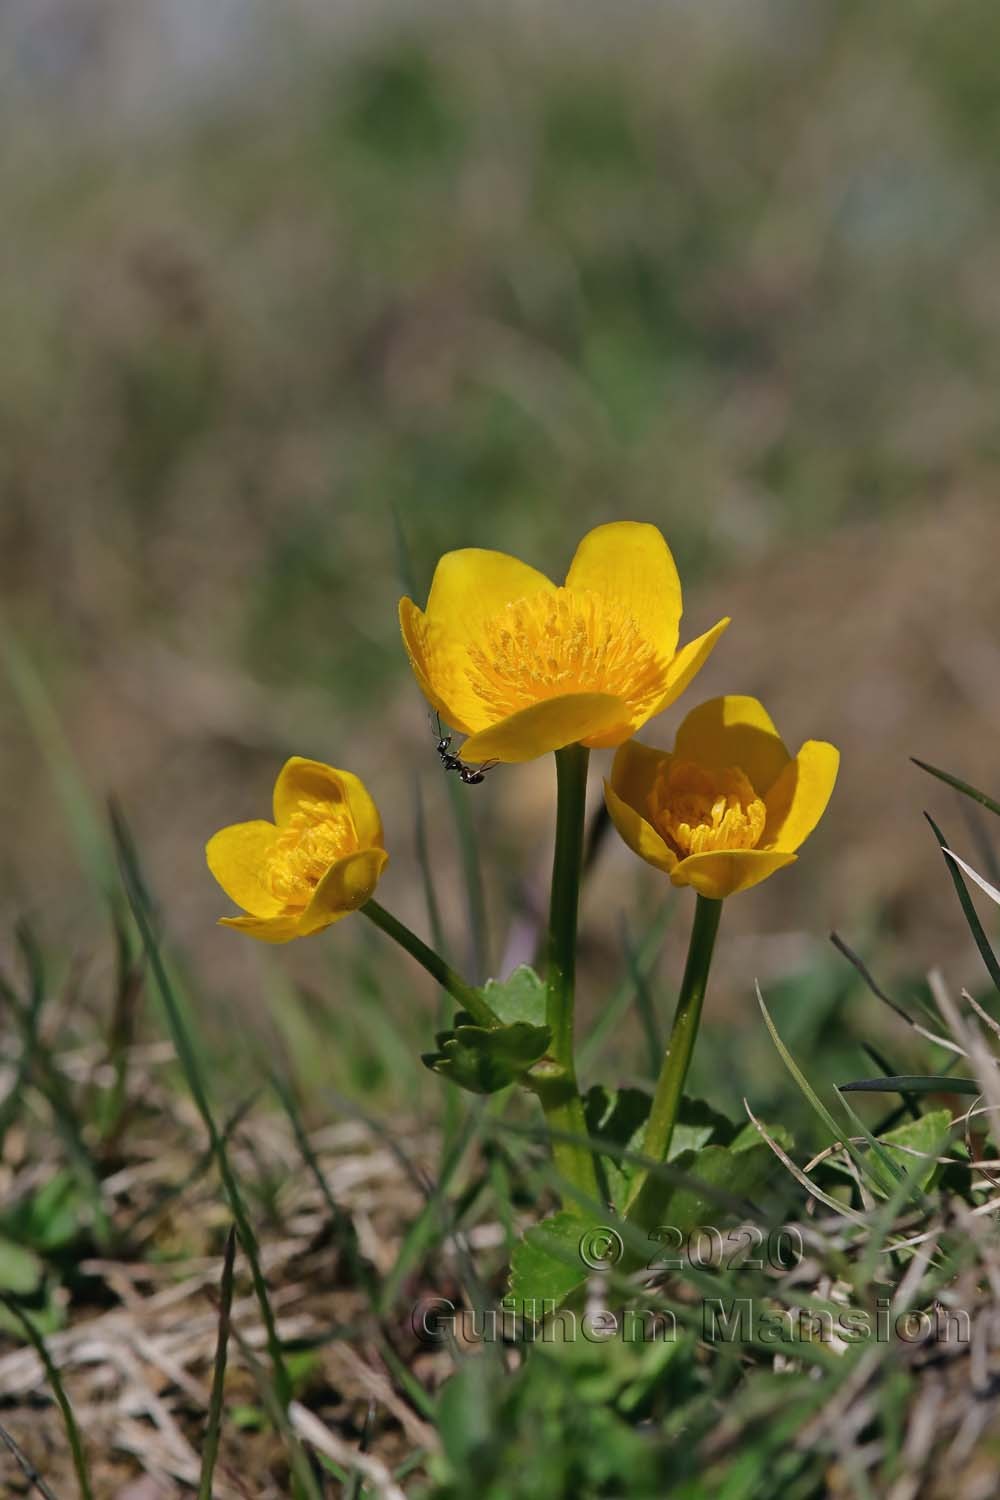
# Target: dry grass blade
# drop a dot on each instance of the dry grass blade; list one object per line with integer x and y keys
{"x": 213, "y": 1430}
{"x": 859, "y": 964}
{"x": 800, "y": 1177}
{"x": 27, "y": 1468}
{"x": 312, "y": 1431}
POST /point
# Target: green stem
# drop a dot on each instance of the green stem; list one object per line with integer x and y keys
{"x": 468, "y": 998}
{"x": 670, "y": 1085}
{"x": 558, "y": 1092}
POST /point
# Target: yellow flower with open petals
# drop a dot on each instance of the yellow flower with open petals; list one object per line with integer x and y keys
{"x": 523, "y": 666}
{"x": 728, "y": 806}
{"x": 320, "y": 859}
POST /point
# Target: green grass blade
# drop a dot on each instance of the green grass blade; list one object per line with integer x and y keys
{"x": 971, "y": 915}
{"x": 647, "y": 951}
{"x": 809, "y": 1092}
{"x": 304, "y": 1482}
{"x": 59, "y": 1391}
{"x": 404, "y": 554}
{"x": 893, "y": 1173}
{"x": 188, "y": 1059}
{"x": 213, "y": 1431}
{"x": 912, "y": 1083}
{"x": 960, "y": 786}
{"x": 79, "y": 807}
{"x": 452, "y": 1105}
{"x": 37, "y": 1066}
{"x": 643, "y": 1003}
{"x": 360, "y": 1272}
{"x": 472, "y": 878}
{"x": 427, "y": 1223}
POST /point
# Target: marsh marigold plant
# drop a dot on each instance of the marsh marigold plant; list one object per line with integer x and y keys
{"x": 320, "y": 859}
{"x": 728, "y": 806}
{"x": 523, "y": 665}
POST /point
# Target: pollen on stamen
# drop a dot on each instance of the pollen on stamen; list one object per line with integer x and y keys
{"x": 559, "y": 642}
{"x": 700, "y": 810}
{"x": 314, "y": 838}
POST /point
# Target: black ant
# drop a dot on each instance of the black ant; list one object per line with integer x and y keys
{"x": 470, "y": 775}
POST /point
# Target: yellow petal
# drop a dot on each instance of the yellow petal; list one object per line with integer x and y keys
{"x": 546, "y": 726}
{"x": 634, "y": 771}
{"x": 348, "y": 884}
{"x": 797, "y": 800}
{"x": 470, "y": 587}
{"x": 630, "y": 561}
{"x": 430, "y": 668}
{"x": 641, "y": 837}
{"x": 300, "y": 779}
{"x": 733, "y": 731}
{"x": 236, "y": 856}
{"x": 473, "y": 584}
{"x": 265, "y": 929}
{"x": 687, "y": 664}
{"x": 723, "y": 872}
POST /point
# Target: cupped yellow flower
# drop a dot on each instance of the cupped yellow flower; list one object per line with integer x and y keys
{"x": 522, "y": 665}
{"x": 728, "y": 806}
{"x": 320, "y": 859}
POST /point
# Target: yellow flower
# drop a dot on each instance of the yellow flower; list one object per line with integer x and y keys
{"x": 729, "y": 806}
{"x": 524, "y": 666}
{"x": 320, "y": 859}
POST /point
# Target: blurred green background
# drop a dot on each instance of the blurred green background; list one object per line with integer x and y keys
{"x": 291, "y": 295}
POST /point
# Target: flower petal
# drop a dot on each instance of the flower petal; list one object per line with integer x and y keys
{"x": 723, "y": 872}
{"x": 473, "y": 584}
{"x": 300, "y": 779}
{"x": 641, "y": 837}
{"x": 430, "y": 667}
{"x": 631, "y": 562}
{"x": 797, "y": 800}
{"x": 634, "y": 771}
{"x": 236, "y": 857}
{"x": 348, "y": 884}
{"x": 265, "y": 929}
{"x": 734, "y": 731}
{"x": 545, "y": 726}
{"x": 687, "y": 664}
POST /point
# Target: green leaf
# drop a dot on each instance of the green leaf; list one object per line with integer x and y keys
{"x": 21, "y": 1271}
{"x": 912, "y": 1083}
{"x": 925, "y": 1135}
{"x": 616, "y": 1120}
{"x": 52, "y": 1218}
{"x": 619, "y": 1120}
{"x": 740, "y": 1173}
{"x": 547, "y": 1264}
{"x": 484, "y": 1059}
{"x": 698, "y": 1125}
{"x": 519, "y": 997}
{"x": 749, "y": 1137}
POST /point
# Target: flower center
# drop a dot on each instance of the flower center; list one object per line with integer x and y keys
{"x": 562, "y": 641}
{"x": 696, "y": 809}
{"x": 316, "y": 835}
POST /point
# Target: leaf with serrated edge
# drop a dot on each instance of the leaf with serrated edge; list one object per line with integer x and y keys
{"x": 519, "y": 997}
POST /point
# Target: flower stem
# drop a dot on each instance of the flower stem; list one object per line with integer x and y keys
{"x": 670, "y": 1085}
{"x": 559, "y": 1095}
{"x": 468, "y": 998}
